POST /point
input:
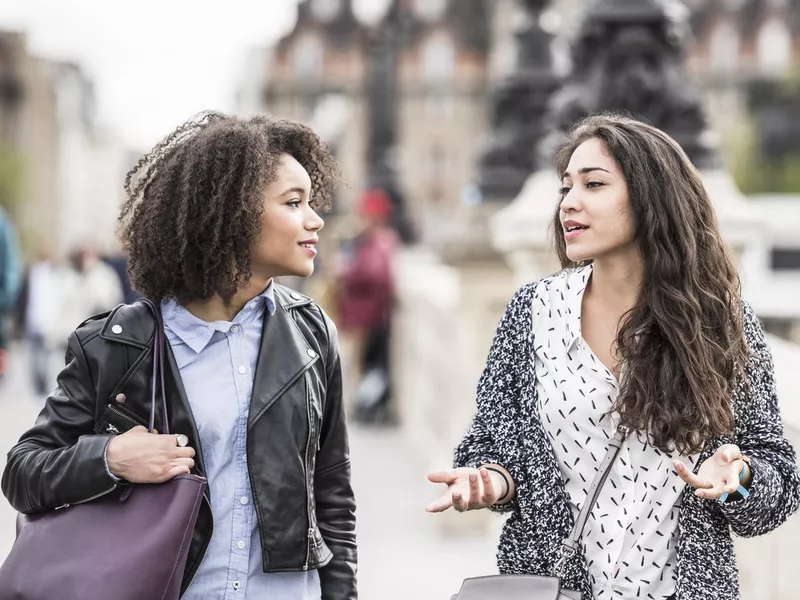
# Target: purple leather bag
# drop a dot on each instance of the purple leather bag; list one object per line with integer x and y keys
{"x": 130, "y": 544}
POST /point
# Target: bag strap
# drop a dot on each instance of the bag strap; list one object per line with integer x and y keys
{"x": 569, "y": 547}
{"x": 158, "y": 368}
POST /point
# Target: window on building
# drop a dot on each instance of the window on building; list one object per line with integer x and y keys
{"x": 438, "y": 57}
{"x": 439, "y": 107}
{"x": 723, "y": 48}
{"x": 430, "y": 10}
{"x": 436, "y": 172}
{"x": 785, "y": 259}
{"x": 326, "y": 10}
{"x": 774, "y": 47}
{"x": 308, "y": 58}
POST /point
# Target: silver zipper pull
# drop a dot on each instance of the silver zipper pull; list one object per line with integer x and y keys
{"x": 111, "y": 429}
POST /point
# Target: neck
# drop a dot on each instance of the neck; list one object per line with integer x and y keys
{"x": 216, "y": 309}
{"x": 616, "y": 281}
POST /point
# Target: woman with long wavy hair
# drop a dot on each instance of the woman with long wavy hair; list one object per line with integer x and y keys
{"x": 643, "y": 335}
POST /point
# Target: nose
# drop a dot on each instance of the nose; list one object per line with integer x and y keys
{"x": 313, "y": 221}
{"x": 571, "y": 201}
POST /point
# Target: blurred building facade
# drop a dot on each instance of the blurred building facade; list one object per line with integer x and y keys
{"x": 70, "y": 170}
{"x": 736, "y": 44}
{"x": 91, "y": 165}
{"x": 318, "y": 73}
{"x": 29, "y": 131}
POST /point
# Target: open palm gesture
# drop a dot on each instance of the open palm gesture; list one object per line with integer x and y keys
{"x": 467, "y": 489}
{"x": 718, "y": 475}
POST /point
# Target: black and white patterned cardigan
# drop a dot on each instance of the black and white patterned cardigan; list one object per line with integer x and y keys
{"x": 507, "y": 430}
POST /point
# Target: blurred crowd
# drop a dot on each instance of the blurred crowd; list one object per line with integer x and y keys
{"x": 42, "y": 301}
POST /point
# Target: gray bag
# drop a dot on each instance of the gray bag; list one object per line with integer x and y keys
{"x": 544, "y": 587}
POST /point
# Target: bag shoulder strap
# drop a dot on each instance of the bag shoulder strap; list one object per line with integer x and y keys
{"x": 569, "y": 547}
{"x": 158, "y": 368}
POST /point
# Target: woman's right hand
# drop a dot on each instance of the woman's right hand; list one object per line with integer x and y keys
{"x": 139, "y": 456}
{"x": 467, "y": 489}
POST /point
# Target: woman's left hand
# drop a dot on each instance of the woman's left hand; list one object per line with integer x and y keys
{"x": 718, "y": 475}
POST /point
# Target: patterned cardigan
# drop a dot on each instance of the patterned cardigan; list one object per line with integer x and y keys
{"x": 507, "y": 430}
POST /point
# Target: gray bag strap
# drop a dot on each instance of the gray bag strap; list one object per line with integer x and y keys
{"x": 569, "y": 547}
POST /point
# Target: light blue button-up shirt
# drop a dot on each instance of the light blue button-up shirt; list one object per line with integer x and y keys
{"x": 217, "y": 361}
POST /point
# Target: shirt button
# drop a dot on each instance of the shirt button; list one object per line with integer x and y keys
{"x": 244, "y": 457}
{"x": 236, "y": 585}
{"x": 234, "y": 328}
{"x": 244, "y": 500}
{"x": 242, "y": 369}
{"x": 240, "y": 545}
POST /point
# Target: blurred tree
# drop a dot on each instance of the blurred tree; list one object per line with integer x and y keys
{"x": 11, "y": 179}
{"x": 764, "y": 154}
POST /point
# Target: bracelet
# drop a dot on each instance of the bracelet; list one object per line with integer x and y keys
{"x": 741, "y": 490}
{"x": 505, "y": 480}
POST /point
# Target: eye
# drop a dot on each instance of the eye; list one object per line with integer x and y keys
{"x": 564, "y": 191}
{"x": 594, "y": 184}
{"x": 294, "y": 203}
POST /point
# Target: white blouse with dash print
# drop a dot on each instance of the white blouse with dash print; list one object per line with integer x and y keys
{"x": 630, "y": 538}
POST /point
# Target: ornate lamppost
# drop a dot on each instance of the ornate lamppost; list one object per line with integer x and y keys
{"x": 628, "y": 57}
{"x": 518, "y": 108}
{"x": 386, "y": 42}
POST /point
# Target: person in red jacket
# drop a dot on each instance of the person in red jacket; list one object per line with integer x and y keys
{"x": 365, "y": 302}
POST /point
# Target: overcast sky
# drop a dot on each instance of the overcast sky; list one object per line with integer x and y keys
{"x": 154, "y": 66}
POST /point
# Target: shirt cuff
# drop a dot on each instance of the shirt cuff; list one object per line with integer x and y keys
{"x": 113, "y": 477}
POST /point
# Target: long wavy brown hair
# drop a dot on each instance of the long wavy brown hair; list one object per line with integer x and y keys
{"x": 682, "y": 345}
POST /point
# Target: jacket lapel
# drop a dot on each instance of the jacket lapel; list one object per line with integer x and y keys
{"x": 134, "y": 325}
{"x": 283, "y": 357}
{"x": 181, "y": 418}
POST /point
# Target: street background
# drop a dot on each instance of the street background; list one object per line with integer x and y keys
{"x": 444, "y": 111}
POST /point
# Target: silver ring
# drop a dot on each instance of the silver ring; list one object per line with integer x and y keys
{"x": 182, "y": 440}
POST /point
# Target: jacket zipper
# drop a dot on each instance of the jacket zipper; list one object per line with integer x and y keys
{"x": 85, "y": 500}
{"x": 129, "y": 421}
{"x": 307, "y": 466}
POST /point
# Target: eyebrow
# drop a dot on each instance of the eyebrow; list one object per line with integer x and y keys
{"x": 294, "y": 190}
{"x": 585, "y": 170}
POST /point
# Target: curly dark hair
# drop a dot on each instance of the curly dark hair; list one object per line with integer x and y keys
{"x": 193, "y": 210}
{"x": 683, "y": 343}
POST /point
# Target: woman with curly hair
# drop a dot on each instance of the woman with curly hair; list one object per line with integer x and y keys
{"x": 214, "y": 214}
{"x": 643, "y": 346}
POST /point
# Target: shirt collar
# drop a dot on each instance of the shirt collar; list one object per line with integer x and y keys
{"x": 576, "y": 286}
{"x": 197, "y": 333}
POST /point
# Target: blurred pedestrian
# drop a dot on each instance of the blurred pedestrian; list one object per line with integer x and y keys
{"x": 10, "y": 278}
{"x": 641, "y": 350}
{"x": 119, "y": 262}
{"x": 40, "y": 306}
{"x": 365, "y": 289}
{"x": 214, "y": 214}
{"x": 87, "y": 287}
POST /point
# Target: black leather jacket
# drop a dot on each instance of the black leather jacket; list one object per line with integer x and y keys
{"x": 299, "y": 467}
